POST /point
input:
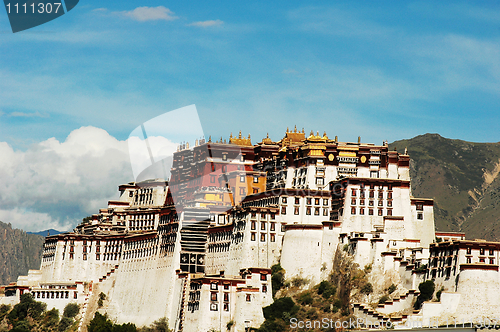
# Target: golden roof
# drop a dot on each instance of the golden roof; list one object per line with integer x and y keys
{"x": 240, "y": 141}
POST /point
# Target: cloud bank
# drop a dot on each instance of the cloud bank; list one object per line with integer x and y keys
{"x": 143, "y": 14}
{"x": 55, "y": 184}
{"x": 206, "y": 24}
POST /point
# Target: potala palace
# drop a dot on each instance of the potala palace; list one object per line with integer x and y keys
{"x": 198, "y": 248}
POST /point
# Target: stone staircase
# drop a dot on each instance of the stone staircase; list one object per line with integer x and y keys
{"x": 382, "y": 314}
{"x": 109, "y": 273}
{"x": 183, "y": 304}
{"x": 85, "y": 305}
{"x": 398, "y": 304}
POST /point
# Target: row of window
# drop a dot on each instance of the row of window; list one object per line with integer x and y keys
{"x": 371, "y": 194}
{"x": 54, "y": 295}
{"x": 296, "y": 211}
{"x": 253, "y": 226}
{"x": 317, "y": 201}
{"x": 481, "y": 251}
{"x": 272, "y": 237}
{"x": 371, "y": 212}
{"x": 370, "y": 202}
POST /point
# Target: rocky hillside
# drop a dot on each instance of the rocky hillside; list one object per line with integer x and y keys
{"x": 462, "y": 177}
{"x": 19, "y": 252}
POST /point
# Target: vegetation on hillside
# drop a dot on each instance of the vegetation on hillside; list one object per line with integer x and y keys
{"x": 329, "y": 299}
{"x": 30, "y": 315}
{"x": 19, "y": 252}
{"x": 101, "y": 323}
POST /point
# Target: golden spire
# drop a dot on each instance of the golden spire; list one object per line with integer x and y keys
{"x": 303, "y": 132}
{"x": 210, "y": 139}
{"x": 231, "y": 135}
{"x": 287, "y": 130}
{"x": 295, "y": 130}
{"x": 248, "y": 136}
{"x": 239, "y": 134}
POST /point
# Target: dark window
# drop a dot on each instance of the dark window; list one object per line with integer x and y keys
{"x": 283, "y": 200}
{"x": 325, "y": 212}
{"x": 308, "y": 211}
{"x": 283, "y": 210}
{"x": 253, "y": 225}
{"x": 213, "y": 296}
{"x": 309, "y": 200}
{"x": 263, "y": 277}
{"x": 353, "y": 210}
{"x": 380, "y": 212}
{"x": 264, "y": 288}
{"x": 353, "y": 192}
{"x": 212, "y": 178}
{"x": 296, "y": 211}
{"x": 481, "y": 251}
{"x": 273, "y": 226}
{"x": 389, "y": 212}
{"x": 316, "y": 211}
{"x": 491, "y": 252}
{"x": 273, "y": 237}
{"x": 297, "y": 200}
{"x": 226, "y": 297}
{"x": 262, "y": 226}
{"x": 353, "y": 201}
{"x": 362, "y": 211}
{"x": 420, "y": 216}
{"x": 249, "y": 297}
{"x": 252, "y": 237}
{"x": 262, "y": 237}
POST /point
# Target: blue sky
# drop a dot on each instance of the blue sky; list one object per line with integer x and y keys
{"x": 380, "y": 70}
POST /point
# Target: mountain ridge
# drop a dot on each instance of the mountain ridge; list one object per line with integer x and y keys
{"x": 19, "y": 252}
{"x": 463, "y": 179}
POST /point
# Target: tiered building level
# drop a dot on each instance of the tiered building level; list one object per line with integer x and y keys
{"x": 198, "y": 248}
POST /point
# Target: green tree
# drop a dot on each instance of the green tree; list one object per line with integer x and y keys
{"x": 51, "y": 318}
{"x": 279, "y": 307}
{"x": 277, "y": 278}
{"x": 100, "y": 323}
{"x": 160, "y": 325}
{"x": 426, "y": 289}
{"x": 71, "y": 310}
{"x": 64, "y": 324}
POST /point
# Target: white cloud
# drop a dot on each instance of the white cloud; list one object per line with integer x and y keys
{"x": 206, "y": 24}
{"x": 27, "y": 115}
{"x": 143, "y": 14}
{"x": 54, "y": 184}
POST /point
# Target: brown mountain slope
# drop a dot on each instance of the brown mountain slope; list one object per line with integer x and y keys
{"x": 19, "y": 252}
{"x": 463, "y": 179}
